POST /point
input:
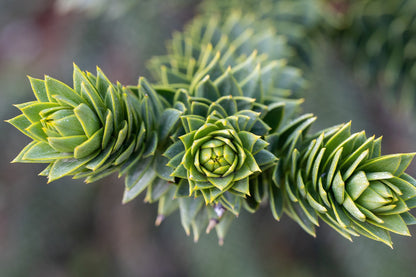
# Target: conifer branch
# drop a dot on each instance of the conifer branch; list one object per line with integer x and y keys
{"x": 218, "y": 132}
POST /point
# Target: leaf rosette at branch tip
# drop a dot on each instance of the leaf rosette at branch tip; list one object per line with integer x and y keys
{"x": 221, "y": 149}
{"x": 90, "y": 130}
{"x": 343, "y": 179}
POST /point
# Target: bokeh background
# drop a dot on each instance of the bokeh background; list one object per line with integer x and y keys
{"x": 68, "y": 228}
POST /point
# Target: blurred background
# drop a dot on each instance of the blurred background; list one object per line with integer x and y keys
{"x": 68, "y": 228}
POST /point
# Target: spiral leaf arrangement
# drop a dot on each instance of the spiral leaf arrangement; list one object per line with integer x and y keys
{"x": 240, "y": 55}
{"x": 87, "y": 131}
{"x": 343, "y": 179}
{"x": 222, "y": 147}
{"x": 217, "y": 133}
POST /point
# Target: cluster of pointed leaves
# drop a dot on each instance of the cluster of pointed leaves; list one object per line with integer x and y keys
{"x": 343, "y": 179}
{"x": 206, "y": 139}
{"x": 87, "y": 131}
{"x": 148, "y": 170}
{"x": 221, "y": 149}
{"x": 204, "y": 199}
{"x": 208, "y": 199}
{"x": 213, "y": 58}
{"x": 378, "y": 37}
{"x": 240, "y": 56}
{"x": 156, "y": 112}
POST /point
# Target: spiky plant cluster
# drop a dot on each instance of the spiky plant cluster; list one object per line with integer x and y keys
{"x": 378, "y": 39}
{"x": 219, "y": 82}
{"x": 241, "y": 55}
{"x": 218, "y": 133}
{"x": 221, "y": 149}
{"x": 343, "y": 179}
{"x": 216, "y": 159}
{"x": 87, "y": 131}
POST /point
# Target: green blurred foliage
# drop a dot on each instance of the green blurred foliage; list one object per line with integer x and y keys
{"x": 68, "y": 228}
{"x": 376, "y": 39}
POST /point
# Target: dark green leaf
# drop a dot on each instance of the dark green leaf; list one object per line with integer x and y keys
{"x": 206, "y": 89}
{"x": 168, "y": 121}
{"x": 189, "y": 208}
{"x": 227, "y": 85}
{"x": 138, "y": 179}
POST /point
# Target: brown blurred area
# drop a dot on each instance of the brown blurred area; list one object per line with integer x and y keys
{"x": 69, "y": 228}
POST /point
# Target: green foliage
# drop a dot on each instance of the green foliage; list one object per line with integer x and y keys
{"x": 221, "y": 85}
{"x": 221, "y": 148}
{"x": 296, "y": 20}
{"x": 378, "y": 39}
{"x": 219, "y": 131}
{"x": 235, "y": 51}
{"x": 343, "y": 179}
{"x": 88, "y": 131}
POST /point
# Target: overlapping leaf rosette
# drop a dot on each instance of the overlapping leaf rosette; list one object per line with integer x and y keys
{"x": 343, "y": 179}
{"x": 221, "y": 149}
{"x": 90, "y": 130}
